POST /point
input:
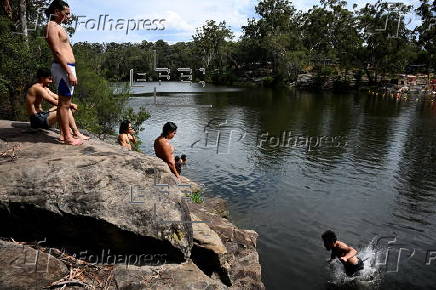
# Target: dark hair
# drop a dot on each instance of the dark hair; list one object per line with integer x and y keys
{"x": 43, "y": 73}
{"x": 168, "y": 128}
{"x": 56, "y": 4}
{"x": 329, "y": 236}
{"x": 183, "y": 157}
{"x": 177, "y": 158}
{"x": 124, "y": 127}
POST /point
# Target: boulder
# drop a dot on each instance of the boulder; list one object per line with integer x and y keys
{"x": 22, "y": 267}
{"x": 103, "y": 205}
{"x": 96, "y": 194}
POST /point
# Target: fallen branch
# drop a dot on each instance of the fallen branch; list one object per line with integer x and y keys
{"x": 68, "y": 283}
{"x": 11, "y": 152}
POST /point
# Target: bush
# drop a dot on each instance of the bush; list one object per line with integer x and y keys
{"x": 18, "y": 66}
{"x": 100, "y": 109}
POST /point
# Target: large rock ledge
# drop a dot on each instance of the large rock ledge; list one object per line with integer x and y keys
{"x": 102, "y": 217}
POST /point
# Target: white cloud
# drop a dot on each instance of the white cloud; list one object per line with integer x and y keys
{"x": 182, "y": 16}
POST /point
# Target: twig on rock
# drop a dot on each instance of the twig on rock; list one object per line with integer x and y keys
{"x": 11, "y": 152}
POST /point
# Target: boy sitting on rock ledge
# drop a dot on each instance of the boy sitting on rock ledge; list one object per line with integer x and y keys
{"x": 44, "y": 120}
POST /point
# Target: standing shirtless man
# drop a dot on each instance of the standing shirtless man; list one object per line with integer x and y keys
{"x": 63, "y": 68}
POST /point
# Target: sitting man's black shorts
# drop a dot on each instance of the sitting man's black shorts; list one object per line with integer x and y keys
{"x": 39, "y": 120}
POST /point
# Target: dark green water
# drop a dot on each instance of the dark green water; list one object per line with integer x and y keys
{"x": 373, "y": 175}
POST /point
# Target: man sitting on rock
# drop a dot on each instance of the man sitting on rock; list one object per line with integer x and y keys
{"x": 44, "y": 120}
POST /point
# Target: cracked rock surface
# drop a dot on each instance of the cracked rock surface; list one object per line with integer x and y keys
{"x": 103, "y": 209}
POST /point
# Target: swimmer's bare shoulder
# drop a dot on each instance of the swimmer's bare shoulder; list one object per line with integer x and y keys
{"x": 342, "y": 245}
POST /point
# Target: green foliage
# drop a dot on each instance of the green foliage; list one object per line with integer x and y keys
{"x": 20, "y": 61}
{"x": 275, "y": 37}
{"x": 196, "y": 197}
{"x": 100, "y": 109}
{"x": 386, "y": 51}
{"x": 210, "y": 41}
{"x": 427, "y": 33}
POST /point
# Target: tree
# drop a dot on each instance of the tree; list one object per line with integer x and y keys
{"x": 275, "y": 36}
{"x": 23, "y": 18}
{"x": 330, "y": 34}
{"x": 210, "y": 40}
{"x": 387, "y": 42}
{"x": 427, "y": 33}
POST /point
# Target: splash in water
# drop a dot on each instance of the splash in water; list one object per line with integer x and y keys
{"x": 368, "y": 278}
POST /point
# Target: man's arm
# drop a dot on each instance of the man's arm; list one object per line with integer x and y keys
{"x": 56, "y": 97}
{"x": 48, "y": 97}
{"x": 351, "y": 252}
{"x": 168, "y": 158}
{"x": 53, "y": 95}
{"x": 133, "y": 138}
{"x": 332, "y": 256}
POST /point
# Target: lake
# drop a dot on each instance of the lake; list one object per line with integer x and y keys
{"x": 292, "y": 164}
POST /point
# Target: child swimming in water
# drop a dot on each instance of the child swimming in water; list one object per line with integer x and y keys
{"x": 346, "y": 254}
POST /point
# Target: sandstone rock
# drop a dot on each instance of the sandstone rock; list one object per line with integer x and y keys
{"x": 206, "y": 238}
{"x": 182, "y": 276}
{"x": 239, "y": 267}
{"x": 96, "y": 194}
{"x": 22, "y": 267}
{"x": 100, "y": 198}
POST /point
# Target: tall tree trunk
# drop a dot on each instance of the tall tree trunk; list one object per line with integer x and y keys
{"x": 7, "y": 7}
{"x": 369, "y": 75}
{"x": 23, "y": 17}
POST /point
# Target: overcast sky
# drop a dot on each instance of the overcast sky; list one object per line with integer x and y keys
{"x": 181, "y": 17}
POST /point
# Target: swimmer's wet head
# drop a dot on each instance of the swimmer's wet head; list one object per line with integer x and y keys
{"x": 329, "y": 238}
{"x": 340, "y": 250}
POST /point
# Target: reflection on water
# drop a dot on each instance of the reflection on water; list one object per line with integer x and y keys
{"x": 383, "y": 180}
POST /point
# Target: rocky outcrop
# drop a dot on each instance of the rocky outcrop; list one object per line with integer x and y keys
{"x": 109, "y": 209}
